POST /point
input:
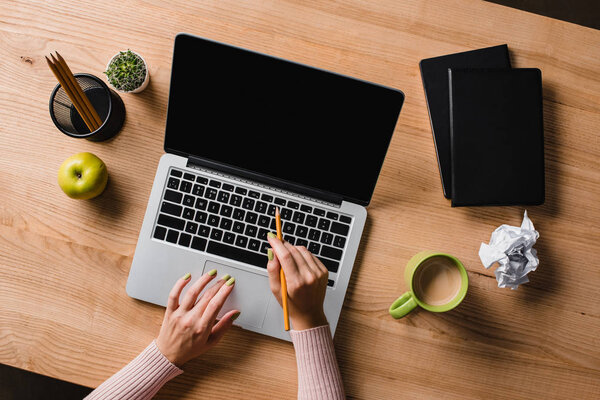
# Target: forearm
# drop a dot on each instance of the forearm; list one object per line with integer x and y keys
{"x": 140, "y": 379}
{"x": 318, "y": 372}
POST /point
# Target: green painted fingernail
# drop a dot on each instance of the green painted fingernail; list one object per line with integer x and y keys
{"x": 230, "y": 281}
{"x": 225, "y": 277}
{"x": 212, "y": 272}
{"x": 235, "y": 316}
{"x": 271, "y": 235}
{"x": 186, "y": 276}
{"x": 270, "y": 254}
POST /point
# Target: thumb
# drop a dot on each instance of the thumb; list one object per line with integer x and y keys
{"x": 221, "y": 327}
{"x": 273, "y": 268}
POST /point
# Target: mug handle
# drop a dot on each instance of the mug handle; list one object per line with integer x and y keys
{"x": 403, "y": 305}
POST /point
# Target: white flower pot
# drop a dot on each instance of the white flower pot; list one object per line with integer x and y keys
{"x": 146, "y": 79}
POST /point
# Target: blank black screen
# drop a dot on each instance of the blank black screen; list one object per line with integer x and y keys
{"x": 280, "y": 119}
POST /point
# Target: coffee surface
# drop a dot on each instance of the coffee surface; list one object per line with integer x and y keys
{"x": 437, "y": 281}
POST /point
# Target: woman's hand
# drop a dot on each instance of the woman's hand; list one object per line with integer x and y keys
{"x": 306, "y": 279}
{"x": 189, "y": 328}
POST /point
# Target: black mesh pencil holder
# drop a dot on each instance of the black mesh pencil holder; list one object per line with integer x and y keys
{"x": 106, "y": 101}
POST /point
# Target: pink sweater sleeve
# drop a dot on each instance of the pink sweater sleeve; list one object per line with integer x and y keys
{"x": 318, "y": 373}
{"x": 140, "y": 379}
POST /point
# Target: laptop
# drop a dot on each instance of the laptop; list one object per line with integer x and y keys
{"x": 245, "y": 133}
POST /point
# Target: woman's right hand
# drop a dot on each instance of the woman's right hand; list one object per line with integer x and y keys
{"x": 306, "y": 279}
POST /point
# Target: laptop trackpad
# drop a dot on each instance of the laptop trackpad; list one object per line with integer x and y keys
{"x": 250, "y": 296}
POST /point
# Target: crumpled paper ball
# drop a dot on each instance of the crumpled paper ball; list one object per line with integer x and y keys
{"x": 512, "y": 248}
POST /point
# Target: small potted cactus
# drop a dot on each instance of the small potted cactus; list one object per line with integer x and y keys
{"x": 127, "y": 72}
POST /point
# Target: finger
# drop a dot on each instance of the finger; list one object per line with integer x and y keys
{"x": 173, "y": 301}
{"x": 310, "y": 261}
{"x": 320, "y": 264}
{"x": 207, "y": 296}
{"x": 216, "y": 303}
{"x": 303, "y": 267}
{"x": 221, "y": 327}
{"x": 273, "y": 268}
{"x": 286, "y": 260}
{"x": 192, "y": 294}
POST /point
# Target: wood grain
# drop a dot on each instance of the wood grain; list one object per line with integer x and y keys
{"x": 64, "y": 263}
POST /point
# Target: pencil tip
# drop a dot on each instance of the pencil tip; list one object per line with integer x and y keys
{"x": 276, "y": 210}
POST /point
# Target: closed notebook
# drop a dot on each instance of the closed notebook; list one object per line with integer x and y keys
{"x": 434, "y": 72}
{"x": 497, "y": 138}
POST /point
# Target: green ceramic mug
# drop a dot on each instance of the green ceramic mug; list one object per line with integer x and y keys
{"x": 437, "y": 281}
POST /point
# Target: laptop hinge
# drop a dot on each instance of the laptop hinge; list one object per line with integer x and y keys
{"x": 265, "y": 181}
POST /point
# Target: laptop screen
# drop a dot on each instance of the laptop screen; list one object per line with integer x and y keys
{"x": 279, "y": 119}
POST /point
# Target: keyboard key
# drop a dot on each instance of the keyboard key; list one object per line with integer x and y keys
{"x": 200, "y": 217}
{"x": 264, "y": 246}
{"x": 340, "y": 229}
{"x": 214, "y": 207}
{"x": 248, "y": 204}
{"x": 286, "y": 213}
{"x": 266, "y": 197}
{"x": 203, "y": 230}
{"x": 185, "y": 186}
{"x": 188, "y": 213}
{"x": 301, "y": 231}
{"x": 228, "y": 187}
{"x": 264, "y": 221}
{"x": 262, "y": 234}
{"x": 236, "y": 200}
{"x": 239, "y": 214}
{"x": 345, "y": 219}
{"x": 171, "y": 222}
{"x": 198, "y": 190}
{"x": 201, "y": 204}
{"x": 172, "y": 236}
{"x": 191, "y": 227}
{"x": 326, "y": 238}
{"x": 314, "y": 235}
{"x": 331, "y": 265}
{"x": 289, "y": 228}
{"x": 293, "y": 204}
{"x": 324, "y": 224}
{"x": 160, "y": 232}
{"x": 202, "y": 180}
{"x": 226, "y": 224}
{"x": 198, "y": 243}
{"x": 319, "y": 212}
{"x": 273, "y": 226}
{"x": 236, "y": 254}
{"x": 189, "y": 177}
{"x": 298, "y": 217}
{"x": 213, "y": 220}
{"x": 175, "y": 197}
{"x": 238, "y": 227}
{"x": 330, "y": 283}
{"x": 173, "y": 183}
{"x": 241, "y": 241}
{"x": 215, "y": 184}
{"x": 185, "y": 239}
{"x": 271, "y": 210}
{"x": 251, "y": 217}
{"x": 229, "y": 237}
{"x": 188, "y": 200}
{"x": 279, "y": 201}
{"x": 226, "y": 210}
{"x": 216, "y": 234}
{"x": 305, "y": 208}
{"x": 302, "y": 242}
{"x": 241, "y": 190}
{"x": 332, "y": 215}
{"x": 250, "y": 230}
{"x": 314, "y": 247}
{"x": 261, "y": 207}
{"x": 254, "y": 245}
{"x": 170, "y": 208}
{"x": 223, "y": 197}
{"x": 311, "y": 220}
{"x": 211, "y": 193}
{"x": 254, "y": 194}
{"x": 290, "y": 239}
{"x": 339, "y": 242}
{"x": 176, "y": 173}
{"x": 330, "y": 252}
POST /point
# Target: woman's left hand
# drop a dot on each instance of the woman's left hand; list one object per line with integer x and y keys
{"x": 189, "y": 328}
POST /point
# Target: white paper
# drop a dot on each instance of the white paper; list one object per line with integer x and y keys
{"x": 512, "y": 248}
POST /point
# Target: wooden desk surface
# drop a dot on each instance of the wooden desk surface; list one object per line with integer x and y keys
{"x": 64, "y": 263}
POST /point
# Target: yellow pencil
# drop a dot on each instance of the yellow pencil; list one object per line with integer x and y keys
{"x": 284, "y": 298}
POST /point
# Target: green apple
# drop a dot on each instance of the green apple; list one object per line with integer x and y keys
{"x": 82, "y": 176}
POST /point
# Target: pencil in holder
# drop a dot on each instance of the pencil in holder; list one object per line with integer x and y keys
{"x": 106, "y": 101}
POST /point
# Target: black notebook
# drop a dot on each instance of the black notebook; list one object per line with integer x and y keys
{"x": 434, "y": 72}
{"x": 497, "y": 138}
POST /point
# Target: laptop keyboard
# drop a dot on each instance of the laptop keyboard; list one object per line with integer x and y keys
{"x": 232, "y": 221}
